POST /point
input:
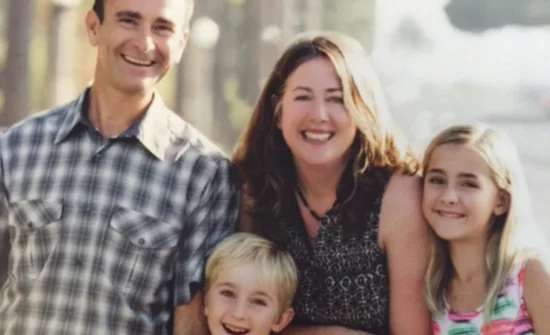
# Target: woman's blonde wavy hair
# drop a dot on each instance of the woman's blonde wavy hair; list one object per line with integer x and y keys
{"x": 505, "y": 241}
{"x": 263, "y": 160}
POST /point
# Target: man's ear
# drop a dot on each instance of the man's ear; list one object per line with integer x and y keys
{"x": 503, "y": 203}
{"x": 283, "y": 321}
{"x": 92, "y": 27}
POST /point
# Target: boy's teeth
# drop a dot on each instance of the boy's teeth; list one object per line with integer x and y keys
{"x": 317, "y": 136}
{"x": 235, "y": 329}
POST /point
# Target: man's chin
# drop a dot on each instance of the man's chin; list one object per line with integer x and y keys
{"x": 143, "y": 87}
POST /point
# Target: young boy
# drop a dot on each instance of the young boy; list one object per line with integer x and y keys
{"x": 250, "y": 283}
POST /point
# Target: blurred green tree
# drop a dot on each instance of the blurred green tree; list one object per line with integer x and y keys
{"x": 480, "y": 15}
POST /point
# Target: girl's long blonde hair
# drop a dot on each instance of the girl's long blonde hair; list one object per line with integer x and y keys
{"x": 505, "y": 240}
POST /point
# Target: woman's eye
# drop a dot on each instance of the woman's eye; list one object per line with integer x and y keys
{"x": 471, "y": 184}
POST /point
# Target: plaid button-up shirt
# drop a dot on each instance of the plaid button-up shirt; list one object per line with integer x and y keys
{"x": 106, "y": 236}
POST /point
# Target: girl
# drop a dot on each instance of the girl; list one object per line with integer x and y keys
{"x": 481, "y": 278}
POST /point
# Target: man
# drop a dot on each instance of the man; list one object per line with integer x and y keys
{"x": 112, "y": 202}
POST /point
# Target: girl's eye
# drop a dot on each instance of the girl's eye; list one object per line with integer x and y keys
{"x": 301, "y": 98}
{"x": 436, "y": 180}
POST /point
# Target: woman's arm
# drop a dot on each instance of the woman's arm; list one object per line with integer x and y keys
{"x": 536, "y": 293}
{"x": 403, "y": 235}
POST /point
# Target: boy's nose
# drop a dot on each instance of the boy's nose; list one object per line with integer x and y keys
{"x": 239, "y": 311}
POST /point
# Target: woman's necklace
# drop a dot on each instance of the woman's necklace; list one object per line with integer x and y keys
{"x": 306, "y": 204}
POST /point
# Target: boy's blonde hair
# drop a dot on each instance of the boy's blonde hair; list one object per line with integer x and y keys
{"x": 505, "y": 240}
{"x": 275, "y": 266}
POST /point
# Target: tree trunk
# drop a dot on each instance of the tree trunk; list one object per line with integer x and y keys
{"x": 250, "y": 36}
{"x": 16, "y": 70}
{"x": 224, "y": 56}
{"x": 59, "y": 77}
{"x": 311, "y": 17}
{"x": 290, "y": 21}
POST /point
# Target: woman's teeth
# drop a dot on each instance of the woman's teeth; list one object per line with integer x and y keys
{"x": 316, "y": 136}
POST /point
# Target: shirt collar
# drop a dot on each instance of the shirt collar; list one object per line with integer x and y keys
{"x": 152, "y": 130}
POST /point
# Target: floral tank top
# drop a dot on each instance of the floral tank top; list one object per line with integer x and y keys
{"x": 510, "y": 316}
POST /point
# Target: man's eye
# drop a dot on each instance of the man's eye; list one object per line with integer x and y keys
{"x": 127, "y": 20}
{"x": 164, "y": 29}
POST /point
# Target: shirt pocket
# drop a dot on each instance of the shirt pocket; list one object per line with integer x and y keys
{"x": 36, "y": 226}
{"x": 138, "y": 257}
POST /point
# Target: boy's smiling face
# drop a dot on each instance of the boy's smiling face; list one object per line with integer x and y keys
{"x": 238, "y": 303}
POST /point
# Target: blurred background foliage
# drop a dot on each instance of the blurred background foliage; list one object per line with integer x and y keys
{"x": 441, "y": 62}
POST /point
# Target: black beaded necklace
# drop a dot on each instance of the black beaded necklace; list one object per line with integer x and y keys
{"x": 304, "y": 201}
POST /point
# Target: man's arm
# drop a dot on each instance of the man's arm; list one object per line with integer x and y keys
{"x": 404, "y": 238}
{"x": 210, "y": 220}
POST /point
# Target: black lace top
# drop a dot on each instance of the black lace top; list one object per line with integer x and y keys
{"x": 343, "y": 280}
{"x": 343, "y": 277}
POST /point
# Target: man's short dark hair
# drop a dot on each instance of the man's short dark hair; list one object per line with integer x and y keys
{"x": 99, "y": 9}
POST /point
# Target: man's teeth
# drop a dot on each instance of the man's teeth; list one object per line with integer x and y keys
{"x": 316, "y": 136}
{"x": 137, "y": 61}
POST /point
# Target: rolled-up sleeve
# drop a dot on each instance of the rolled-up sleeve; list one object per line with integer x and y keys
{"x": 211, "y": 220}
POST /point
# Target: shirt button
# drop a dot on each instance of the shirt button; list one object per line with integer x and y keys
{"x": 141, "y": 241}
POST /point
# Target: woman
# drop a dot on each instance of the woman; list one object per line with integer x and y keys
{"x": 325, "y": 173}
